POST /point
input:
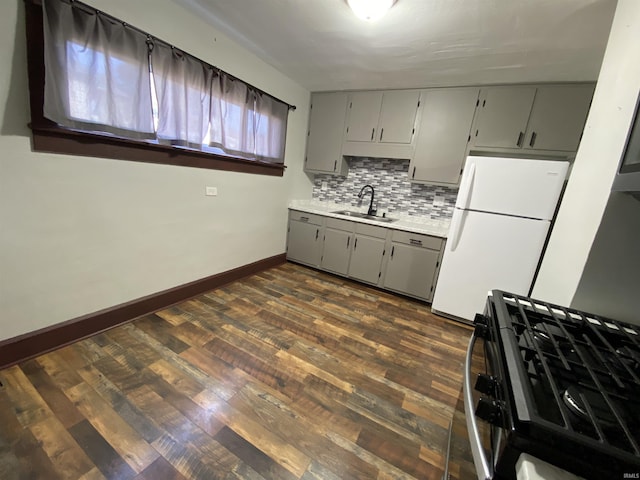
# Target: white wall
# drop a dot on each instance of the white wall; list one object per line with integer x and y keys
{"x": 610, "y": 283}
{"x": 82, "y": 234}
{"x": 596, "y": 161}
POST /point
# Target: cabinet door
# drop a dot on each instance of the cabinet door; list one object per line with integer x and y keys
{"x": 326, "y": 127}
{"x": 411, "y": 270}
{"x": 336, "y": 251}
{"x": 398, "y": 116}
{"x": 503, "y": 115}
{"x": 366, "y": 258}
{"x": 364, "y": 111}
{"x": 443, "y": 135}
{"x": 558, "y": 117}
{"x": 304, "y": 242}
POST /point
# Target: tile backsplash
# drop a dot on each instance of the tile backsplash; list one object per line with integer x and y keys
{"x": 394, "y": 192}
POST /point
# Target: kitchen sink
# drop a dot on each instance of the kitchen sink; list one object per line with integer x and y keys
{"x": 350, "y": 213}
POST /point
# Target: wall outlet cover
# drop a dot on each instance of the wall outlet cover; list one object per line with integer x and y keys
{"x": 211, "y": 191}
{"x": 438, "y": 201}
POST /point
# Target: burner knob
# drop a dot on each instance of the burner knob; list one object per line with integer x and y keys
{"x": 489, "y": 410}
{"x": 481, "y": 326}
{"x": 487, "y": 384}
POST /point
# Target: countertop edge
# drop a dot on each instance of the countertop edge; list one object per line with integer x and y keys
{"x": 400, "y": 224}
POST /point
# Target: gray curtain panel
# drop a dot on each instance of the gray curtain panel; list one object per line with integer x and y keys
{"x": 103, "y": 76}
{"x": 96, "y": 73}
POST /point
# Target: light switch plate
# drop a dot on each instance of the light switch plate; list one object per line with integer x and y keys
{"x": 438, "y": 201}
{"x": 211, "y": 191}
{"x": 324, "y": 186}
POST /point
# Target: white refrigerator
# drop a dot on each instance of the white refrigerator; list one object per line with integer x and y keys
{"x": 498, "y": 230}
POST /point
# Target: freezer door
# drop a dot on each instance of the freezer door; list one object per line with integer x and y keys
{"x": 512, "y": 186}
{"x": 485, "y": 252}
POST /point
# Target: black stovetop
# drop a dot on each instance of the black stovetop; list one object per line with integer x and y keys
{"x": 573, "y": 384}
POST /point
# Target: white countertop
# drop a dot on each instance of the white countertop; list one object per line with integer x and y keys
{"x": 407, "y": 223}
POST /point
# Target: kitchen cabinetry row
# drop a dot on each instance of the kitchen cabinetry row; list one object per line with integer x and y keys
{"x": 437, "y": 128}
{"x": 400, "y": 261}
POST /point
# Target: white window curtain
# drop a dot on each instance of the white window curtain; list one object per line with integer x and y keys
{"x": 96, "y": 73}
{"x": 183, "y": 92}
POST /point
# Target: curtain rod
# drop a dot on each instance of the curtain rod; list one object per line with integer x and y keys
{"x": 93, "y": 10}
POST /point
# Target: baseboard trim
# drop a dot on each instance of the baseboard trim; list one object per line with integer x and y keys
{"x": 32, "y": 344}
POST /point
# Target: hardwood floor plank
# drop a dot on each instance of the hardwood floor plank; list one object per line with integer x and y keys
{"x": 247, "y": 452}
{"x": 101, "y": 453}
{"x": 160, "y": 470}
{"x": 55, "y": 398}
{"x": 288, "y": 374}
{"x": 127, "y": 442}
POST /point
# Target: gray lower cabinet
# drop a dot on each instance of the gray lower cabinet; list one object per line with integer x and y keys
{"x": 366, "y": 258}
{"x": 336, "y": 251}
{"x": 304, "y": 239}
{"x": 368, "y": 252}
{"x": 403, "y": 262}
{"x": 413, "y": 264}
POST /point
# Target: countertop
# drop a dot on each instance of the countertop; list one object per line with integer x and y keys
{"x": 407, "y": 223}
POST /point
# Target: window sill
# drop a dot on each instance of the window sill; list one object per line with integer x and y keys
{"x": 57, "y": 140}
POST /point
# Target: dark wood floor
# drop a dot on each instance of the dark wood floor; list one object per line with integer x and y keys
{"x": 289, "y": 374}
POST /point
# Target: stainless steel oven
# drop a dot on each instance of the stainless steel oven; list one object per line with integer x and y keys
{"x": 552, "y": 385}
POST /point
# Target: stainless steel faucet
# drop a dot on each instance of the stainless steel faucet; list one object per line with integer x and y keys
{"x": 371, "y": 210}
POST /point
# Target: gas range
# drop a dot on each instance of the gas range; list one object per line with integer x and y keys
{"x": 558, "y": 384}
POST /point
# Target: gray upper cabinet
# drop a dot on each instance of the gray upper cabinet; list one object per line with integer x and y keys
{"x": 546, "y": 119}
{"x": 443, "y": 135}
{"x": 364, "y": 111}
{"x": 398, "y": 116}
{"x": 503, "y": 115}
{"x": 326, "y": 129}
{"x": 558, "y": 116}
{"x": 381, "y": 124}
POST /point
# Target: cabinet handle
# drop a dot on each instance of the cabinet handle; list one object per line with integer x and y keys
{"x": 413, "y": 241}
{"x": 534, "y": 135}
{"x": 413, "y": 175}
{"x": 335, "y": 165}
{"x": 304, "y": 219}
{"x": 355, "y": 244}
{"x": 317, "y": 233}
{"x": 520, "y": 137}
{"x": 392, "y": 250}
{"x": 348, "y": 240}
{"x": 373, "y": 131}
{"x": 381, "y": 132}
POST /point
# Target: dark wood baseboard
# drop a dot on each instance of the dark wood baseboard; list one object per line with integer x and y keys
{"x": 32, "y": 344}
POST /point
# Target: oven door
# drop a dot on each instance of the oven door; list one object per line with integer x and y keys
{"x": 483, "y": 411}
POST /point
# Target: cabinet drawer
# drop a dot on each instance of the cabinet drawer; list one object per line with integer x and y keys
{"x": 425, "y": 241}
{"x": 306, "y": 217}
{"x": 371, "y": 230}
{"x": 338, "y": 224}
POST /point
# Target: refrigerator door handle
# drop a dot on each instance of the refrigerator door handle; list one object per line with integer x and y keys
{"x": 465, "y": 188}
{"x": 455, "y": 231}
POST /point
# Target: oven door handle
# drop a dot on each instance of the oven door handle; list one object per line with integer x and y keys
{"x": 479, "y": 458}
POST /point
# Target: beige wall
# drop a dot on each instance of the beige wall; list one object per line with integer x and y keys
{"x": 596, "y": 162}
{"x": 82, "y": 234}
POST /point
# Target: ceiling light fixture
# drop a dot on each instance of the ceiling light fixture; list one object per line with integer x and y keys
{"x": 370, "y": 10}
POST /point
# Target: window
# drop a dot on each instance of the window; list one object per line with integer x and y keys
{"x": 104, "y": 88}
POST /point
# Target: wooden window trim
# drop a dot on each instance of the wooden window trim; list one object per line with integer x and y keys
{"x": 50, "y": 137}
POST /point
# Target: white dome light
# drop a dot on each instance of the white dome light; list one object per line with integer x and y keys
{"x": 370, "y": 10}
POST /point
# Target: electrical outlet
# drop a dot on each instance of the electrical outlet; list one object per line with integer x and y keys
{"x": 438, "y": 201}
{"x": 211, "y": 191}
{"x": 324, "y": 186}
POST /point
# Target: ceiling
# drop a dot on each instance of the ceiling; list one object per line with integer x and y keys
{"x": 419, "y": 43}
